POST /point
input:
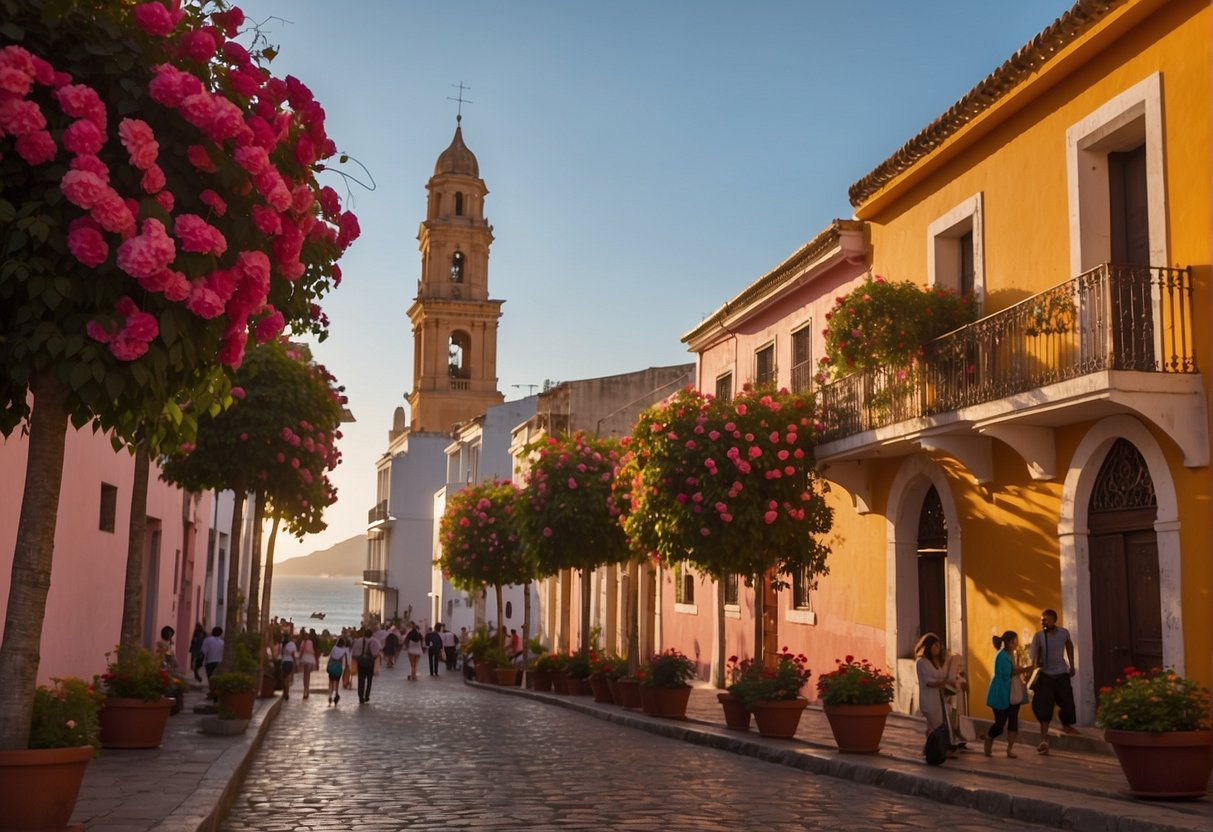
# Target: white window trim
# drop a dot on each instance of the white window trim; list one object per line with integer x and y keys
{"x": 802, "y": 617}
{"x": 732, "y": 611}
{"x": 970, "y": 209}
{"x": 1087, "y": 145}
{"x": 687, "y": 609}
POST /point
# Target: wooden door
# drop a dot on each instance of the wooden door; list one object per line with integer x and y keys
{"x": 1126, "y": 608}
{"x": 1132, "y": 306}
{"x": 933, "y": 594}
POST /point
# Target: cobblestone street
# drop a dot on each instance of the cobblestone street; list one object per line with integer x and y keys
{"x": 434, "y": 754}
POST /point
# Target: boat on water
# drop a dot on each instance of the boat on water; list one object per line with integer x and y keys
{"x": 318, "y": 616}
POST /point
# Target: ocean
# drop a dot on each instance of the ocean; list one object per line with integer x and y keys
{"x": 296, "y": 597}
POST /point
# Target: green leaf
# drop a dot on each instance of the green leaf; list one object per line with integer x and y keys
{"x": 80, "y": 375}
{"x": 12, "y": 31}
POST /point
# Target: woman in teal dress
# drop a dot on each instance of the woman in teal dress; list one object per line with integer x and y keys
{"x": 1006, "y": 693}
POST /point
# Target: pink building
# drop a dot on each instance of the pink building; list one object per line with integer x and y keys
{"x": 84, "y": 606}
{"x": 770, "y": 333}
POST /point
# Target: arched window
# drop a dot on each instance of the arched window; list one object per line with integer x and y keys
{"x": 932, "y": 567}
{"x": 458, "y": 204}
{"x": 459, "y": 364}
{"x": 457, "y": 267}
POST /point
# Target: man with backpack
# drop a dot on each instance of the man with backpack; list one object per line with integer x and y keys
{"x": 365, "y": 650}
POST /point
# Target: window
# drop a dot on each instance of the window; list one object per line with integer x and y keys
{"x": 457, "y": 267}
{"x": 764, "y": 366}
{"x": 684, "y": 583}
{"x": 460, "y": 346}
{"x": 724, "y": 386}
{"x": 802, "y": 583}
{"x": 732, "y": 590}
{"x": 802, "y": 359}
{"x": 458, "y": 204}
{"x": 509, "y": 609}
{"x": 954, "y": 250}
{"x": 109, "y": 507}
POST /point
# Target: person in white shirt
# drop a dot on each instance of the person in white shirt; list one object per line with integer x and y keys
{"x": 212, "y": 651}
{"x": 448, "y": 647}
{"x": 339, "y": 662}
{"x": 308, "y": 658}
{"x": 287, "y": 653}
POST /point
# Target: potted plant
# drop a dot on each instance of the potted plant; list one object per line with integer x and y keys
{"x": 545, "y": 665}
{"x": 1158, "y": 725}
{"x": 560, "y": 674}
{"x": 629, "y": 689}
{"x": 499, "y": 664}
{"x": 601, "y": 668}
{"x": 577, "y": 673}
{"x": 236, "y": 691}
{"x": 855, "y": 697}
{"x": 731, "y": 699}
{"x": 666, "y": 689}
{"x": 44, "y": 779}
{"x": 772, "y": 694}
{"x": 136, "y": 708}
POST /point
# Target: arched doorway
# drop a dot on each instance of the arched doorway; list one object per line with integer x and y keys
{"x": 1126, "y": 599}
{"x": 933, "y": 567}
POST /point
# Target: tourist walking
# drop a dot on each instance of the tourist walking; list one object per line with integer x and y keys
{"x": 196, "y": 640}
{"x": 391, "y": 647}
{"x": 288, "y": 652}
{"x": 365, "y": 650}
{"x": 308, "y": 660}
{"x": 1052, "y": 651}
{"x": 433, "y": 644}
{"x": 412, "y": 647}
{"x": 338, "y": 666}
{"x": 212, "y": 651}
{"x": 448, "y": 646}
{"x": 1006, "y": 693}
{"x": 932, "y": 679}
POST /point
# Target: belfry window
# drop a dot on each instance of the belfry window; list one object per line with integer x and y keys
{"x": 457, "y": 267}
{"x": 458, "y": 204}
{"x": 457, "y": 364}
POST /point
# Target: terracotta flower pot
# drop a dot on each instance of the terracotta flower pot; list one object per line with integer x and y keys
{"x": 543, "y": 680}
{"x": 670, "y": 703}
{"x": 779, "y": 717}
{"x": 133, "y": 723}
{"x": 578, "y": 687}
{"x": 240, "y": 704}
{"x": 1175, "y": 764}
{"x": 857, "y": 729}
{"x": 39, "y": 786}
{"x": 559, "y": 682}
{"x": 736, "y": 714}
{"x": 505, "y": 676}
{"x": 629, "y": 693}
{"x": 613, "y": 687}
{"x": 600, "y": 689}
{"x": 485, "y": 673}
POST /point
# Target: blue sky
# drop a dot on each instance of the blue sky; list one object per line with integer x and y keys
{"x": 645, "y": 162}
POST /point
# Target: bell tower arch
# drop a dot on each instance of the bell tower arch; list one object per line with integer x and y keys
{"x": 454, "y": 319}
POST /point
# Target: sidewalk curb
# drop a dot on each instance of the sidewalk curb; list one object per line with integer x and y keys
{"x": 206, "y": 808}
{"x": 897, "y": 774}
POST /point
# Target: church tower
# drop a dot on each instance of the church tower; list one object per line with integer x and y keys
{"x": 454, "y": 320}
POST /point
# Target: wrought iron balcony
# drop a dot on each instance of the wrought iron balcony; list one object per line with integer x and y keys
{"x": 374, "y": 577}
{"x": 378, "y": 514}
{"x": 1125, "y": 318}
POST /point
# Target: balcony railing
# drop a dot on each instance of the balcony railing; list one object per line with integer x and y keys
{"x": 1131, "y": 318}
{"x": 374, "y": 576}
{"x": 378, "y": 513}
{"x": 461, "y": 384}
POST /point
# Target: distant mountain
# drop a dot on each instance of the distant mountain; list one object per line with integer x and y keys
{"x": 345, "y": 558}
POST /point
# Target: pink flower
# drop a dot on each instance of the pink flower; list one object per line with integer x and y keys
{"x": 269, "y": 327}
{"x": 153, "y": 180}
{"x": 140, "y": 142}
{"x": 330, "y": 203}
{"x": 155, "y": 19}
{"x": 726, "y": 518}
{"x": 147, "y": 253}
{"x": 246, "y": 81}
{"x": 200, "y": 159}
{"x": 226, "y": 119}
{"x": 125, "y": 348}
{"x": 229, "y": 21}
{"x": 177, "y": 288}
{"x": 198, "y": 109}
{"x": 204, "y": 303}
{"x": 80, "y": 101}
{"x": 235, "y": 53}
{"x": 110, "y": 210}
{"x": 238, "y": 392}
{"x": 141, "y": 326}
{"x": 213, "y": 201}
{"x": 547, "y": 532}
{"x": 91, "y": 164}
{"x": 171, "y": 86}
{"x": 741, "y": 408}
{"x": 350, "y": 230}
{"x": 252, "y": 158}
{"x": 198, "y": 236}
{"x": 302, "y": 199}
{"x": 231, "y": 352}
{"x": 267, "y": 220}
{"x": 16, "y": 71}
{"x": 86, "y": 244}
{"x": 199, "y": 45}
{"x": 770, "y": 517}
{"x": 98, "y": 331}
{"x": 754, "y": 452}
{"x": 19, "y": 117}
{"x": 36, "y": 148}
{"x": 165, "y": 200}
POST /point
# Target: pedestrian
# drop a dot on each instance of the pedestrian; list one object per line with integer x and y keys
{"x": 1006, "y": 693}
{"x": 196, "y": 640}
{"x": 514, "y": 650}
{"x": 932, "y": 679}
{"x": 337, "y": 667}
{"x": 167, "y": 653}
{"x": 413, "y": 647}
{"x": 308, "y": 660}
{"x": 1052, "y": 651}
{"x": 365, "y": 651}
{"x": 212, "y": 651}
{"x": 433, "y": 644}
{"x": 288, "y": 652}
{"x": 462, "y": 642}
{"x": 391, "y": 647}
{"x": 448, "y": 647}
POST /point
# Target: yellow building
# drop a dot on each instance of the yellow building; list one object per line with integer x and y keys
{"x": 1056, "y": 452}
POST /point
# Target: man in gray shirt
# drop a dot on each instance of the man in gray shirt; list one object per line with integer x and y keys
{"x": 1052, "y": 652}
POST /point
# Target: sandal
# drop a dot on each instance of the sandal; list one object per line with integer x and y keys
{"x": 1043, "y": 748}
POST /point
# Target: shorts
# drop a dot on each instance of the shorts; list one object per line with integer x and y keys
{"x": 287, "y": 668}
{"x": 1054, "y": 692}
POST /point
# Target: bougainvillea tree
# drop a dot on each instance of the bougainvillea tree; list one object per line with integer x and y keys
{"x": 728, "y": 486}
{"x": 277, "y": 440}
{"x": 568, "y": 517}
{"x": 158, "y": 207}
{"x": 479, "y": 543}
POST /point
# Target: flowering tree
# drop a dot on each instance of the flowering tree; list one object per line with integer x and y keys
{"x": 479, "y": 542}
{"x": 158, "y": 205}
{"x": 568, "y": 517}
{"x": 278, "y": 440}
{"x": 728, "y": 486}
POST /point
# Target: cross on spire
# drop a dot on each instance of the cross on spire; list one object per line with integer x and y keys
{"x": 459, "y": 113}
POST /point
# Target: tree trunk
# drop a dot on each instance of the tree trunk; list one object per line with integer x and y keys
{"x": 718, "y": 659}
{"x": 231, "y": 602}
{"x": 634, "y": 571}
{"x": 585, "y": 609}
{"x": 759, "y": 592}
{"x": 526, "y": 624}
{"x": 253, "y": 619}
{"x": 132, "y": 593}
{"x": 500, "y": 618}
{"x": 267, "y": 587}
{"x": 32, "y": 556}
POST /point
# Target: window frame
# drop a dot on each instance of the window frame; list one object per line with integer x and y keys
{"x": 773, "y": 378}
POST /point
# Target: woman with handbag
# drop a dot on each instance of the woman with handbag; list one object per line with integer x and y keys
{"x": 1006, "y": 693}
{"x": 932, "y": 678}
{"x": 338, "y": 664}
